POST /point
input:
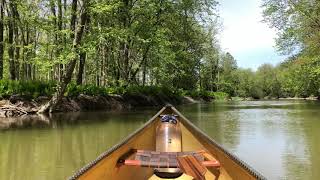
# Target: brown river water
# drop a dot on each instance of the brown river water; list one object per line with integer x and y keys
{"x": 280, "y": 139}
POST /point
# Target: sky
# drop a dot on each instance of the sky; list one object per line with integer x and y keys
{"x": 248, "y": 39}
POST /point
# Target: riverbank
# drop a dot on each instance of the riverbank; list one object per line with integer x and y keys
{"x": 83, "y": 102}
{"x": 311, "y": 98}
{"x": 17, "y": 105}
{"x": 26, "y": 97}
{"x": 80, "y": 103}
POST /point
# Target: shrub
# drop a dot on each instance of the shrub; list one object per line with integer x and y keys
{"x": 26, "y": 88}
{"x": 219, "y": 95}
{"x": 91, "y": 90}
{"x": 206, "y": 95}
{"x": 34, "y": 89}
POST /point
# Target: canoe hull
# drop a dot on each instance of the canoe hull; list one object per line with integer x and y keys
{"x": 193, "y": 139}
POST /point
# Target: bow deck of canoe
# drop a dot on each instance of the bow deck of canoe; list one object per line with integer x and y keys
{"x": 168, "y": 146}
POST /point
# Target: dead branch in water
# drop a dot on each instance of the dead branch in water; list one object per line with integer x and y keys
{"x": 10, "y": 111}
{"x": 15, "y": 110}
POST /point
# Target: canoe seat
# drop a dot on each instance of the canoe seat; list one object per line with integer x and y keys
{"x": 154, "y": 159}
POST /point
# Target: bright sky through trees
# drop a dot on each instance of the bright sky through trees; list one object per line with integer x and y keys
{"x": 248, "y": 39}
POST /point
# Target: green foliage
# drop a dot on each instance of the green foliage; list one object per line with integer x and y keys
{"x": 157, "y": 48}
{"x": 131, "y": 91}
{"x": 31, "y": 89}
{"x": 226, "y": 82}
{"x": 298, "y": 28}
{"x": 297, "y": 24}
{"x": 247, "y": 84}
{"x": 116, "y": 90}
{"x": 152, "y": 91}
{"x": 295, "y": 78}
{"x": 267, "y": 78}
{"x": 127, "y": 44}
{"x": 197, "y": 94}
{"x": 92, "y": 90}
{"x": 300, "y": 77}
{"x": 207, "y": 95}
{"x": 227, "y": 87}
{"x": 219, "y": 95}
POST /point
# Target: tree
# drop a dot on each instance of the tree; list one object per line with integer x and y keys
{"x": 267, "y": 78}
{"x": 129, "y": 43}
{"x": 297, "y": 23}
{"x": 1, "y": 37}
{"x": 226, "y": 81}
{"x": 71, "y": 65}
{"x": 298, "y": 27}
{"x": 11, "y": 24}
{"x": 210, "y": 62}
{"x": 247, "y": 84}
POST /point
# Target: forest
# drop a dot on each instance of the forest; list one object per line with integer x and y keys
{"x": 61, "y": 47}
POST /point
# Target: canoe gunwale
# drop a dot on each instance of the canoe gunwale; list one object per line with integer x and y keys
{"x": 115, "y": 147}
{"x": 232, "y": 156}
{"x": 188, "y": 124}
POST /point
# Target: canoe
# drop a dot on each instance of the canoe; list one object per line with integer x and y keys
{"x": 168, "y": 146}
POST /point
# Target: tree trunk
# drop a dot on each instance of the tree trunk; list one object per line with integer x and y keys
{"x": 73, "y": 17}
{"x": 102, "y": 66}
{"x": 126, "y": 62}
{"x": 71, "y": 65}
{"x": 97, "y": 67}
{"x": 142, "y": 63}
{"x": 144, "y": 72}
{"x": 11, "y": 49}
{"x": 55, "y": 70}
{"x": 17, "y": 54}
{"x": 64, "y": 23}
{"x": 29, "y": 55}
{"x": 81, "y": 67}
{"x": 1, "y": 37}
{"x": 60, "y": 39}
{"x": 23, "y": 64}
{"x": 125, "y": 49}
{"x": 83, "y": 54}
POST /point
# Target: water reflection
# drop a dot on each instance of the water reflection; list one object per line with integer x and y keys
{"x": 278, "y": 138}
{"x": 56, "y": 150}
{"x": 216, "y": 121}
{"x": 24, "y": 121}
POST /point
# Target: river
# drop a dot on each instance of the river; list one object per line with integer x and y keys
{"x": 280, "y": 139}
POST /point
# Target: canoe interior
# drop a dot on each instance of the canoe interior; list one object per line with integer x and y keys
{"x": 105, "y": 167}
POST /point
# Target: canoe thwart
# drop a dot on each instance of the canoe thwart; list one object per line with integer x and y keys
{"x": 155, "y": 159}
{"x": 126, "y": 156}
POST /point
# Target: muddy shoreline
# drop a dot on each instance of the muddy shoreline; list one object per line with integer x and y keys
{"x": 81, "y": 103}
{"x": 89, "y": 103}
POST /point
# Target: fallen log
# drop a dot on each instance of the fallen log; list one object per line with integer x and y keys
{"x": 8, "y": 109}
{"x": 12, "y": 111}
